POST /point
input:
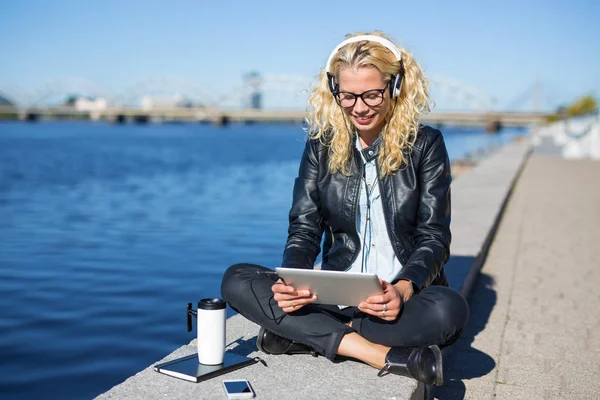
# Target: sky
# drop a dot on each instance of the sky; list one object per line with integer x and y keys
{"x": 512, "y": 51}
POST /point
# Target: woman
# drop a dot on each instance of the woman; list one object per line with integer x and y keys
{"x": 377, "y": 185}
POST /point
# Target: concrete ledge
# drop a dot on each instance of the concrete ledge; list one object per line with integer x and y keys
{"x": 286, "y": 377}
{"x": 478, "y": 201}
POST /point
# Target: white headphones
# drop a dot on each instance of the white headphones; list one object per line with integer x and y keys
{"x": 396, "y": 83}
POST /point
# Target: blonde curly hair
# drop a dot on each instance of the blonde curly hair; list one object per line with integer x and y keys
{"x": 326, "y": 120}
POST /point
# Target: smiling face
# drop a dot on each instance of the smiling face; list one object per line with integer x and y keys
{"x": 368, "y": 120}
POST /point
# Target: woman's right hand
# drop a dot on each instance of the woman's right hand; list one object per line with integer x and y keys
{"x": 290, "y": 299}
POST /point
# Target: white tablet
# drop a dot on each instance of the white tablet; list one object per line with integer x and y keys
{"x": 333, "y": 287}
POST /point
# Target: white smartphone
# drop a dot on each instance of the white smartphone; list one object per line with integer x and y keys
{"x": 238, "y": 389}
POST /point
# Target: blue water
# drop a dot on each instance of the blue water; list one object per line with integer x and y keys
{"x": 106, "y": 232}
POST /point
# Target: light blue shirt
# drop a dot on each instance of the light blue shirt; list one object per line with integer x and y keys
{"x": 376, "y": 253}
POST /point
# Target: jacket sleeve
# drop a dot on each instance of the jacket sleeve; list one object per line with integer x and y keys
{"x": 432, "y": 236}
{"x": 305, "y": 229}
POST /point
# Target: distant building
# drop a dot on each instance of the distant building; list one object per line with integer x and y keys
{"x": 254, "y": 82}
{"x": 153, "y": 103}
{"x": 83, "y": 104}
{"x": 93, "y": 106}
{"x": 256, "y": 101}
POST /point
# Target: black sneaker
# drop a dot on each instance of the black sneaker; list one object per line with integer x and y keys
{"x": 271, "y": 343}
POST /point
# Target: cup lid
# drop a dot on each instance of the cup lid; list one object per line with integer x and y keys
{"x": 211, "y": 304}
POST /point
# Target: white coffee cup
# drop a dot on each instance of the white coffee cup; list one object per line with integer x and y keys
{"x": 210, "y": 324}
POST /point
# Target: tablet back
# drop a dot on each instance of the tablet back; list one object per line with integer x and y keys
{"x": 333, "y": 287}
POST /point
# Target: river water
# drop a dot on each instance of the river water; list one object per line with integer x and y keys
{"x": 108, "y": 231}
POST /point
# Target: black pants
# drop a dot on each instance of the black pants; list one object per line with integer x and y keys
{"x": 436, "y": 315}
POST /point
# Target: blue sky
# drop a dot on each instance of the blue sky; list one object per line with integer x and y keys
{"x": 501, "y": 48}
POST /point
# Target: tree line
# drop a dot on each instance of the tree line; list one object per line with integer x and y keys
{"x": 585, "y": 105}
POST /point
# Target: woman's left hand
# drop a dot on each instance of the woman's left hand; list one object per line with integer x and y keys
{"x": 387, "y": 306}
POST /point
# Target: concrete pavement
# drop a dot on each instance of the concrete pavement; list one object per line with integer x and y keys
{"x": 534, "y": 331}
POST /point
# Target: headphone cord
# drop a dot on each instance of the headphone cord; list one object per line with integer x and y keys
{"x": 273, "y": 318}
{"x": 367, "y": 191}
{"x": 368, "y": 222}
{"x": 352, "y": 132}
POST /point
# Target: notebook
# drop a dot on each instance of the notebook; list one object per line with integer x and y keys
{"x": 190, "y": 369}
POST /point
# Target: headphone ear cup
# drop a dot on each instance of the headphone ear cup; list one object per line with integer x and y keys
{"x": 399, "y": 79}
{"x": 397, "y": 85}
{"x": 331, "y": 83}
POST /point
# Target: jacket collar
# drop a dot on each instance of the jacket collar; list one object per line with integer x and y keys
{"x": 370, "y": 153}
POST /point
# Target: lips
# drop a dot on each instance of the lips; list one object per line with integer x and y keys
{"x": 364, "y": 120}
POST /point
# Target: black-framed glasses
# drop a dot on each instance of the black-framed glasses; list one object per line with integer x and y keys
{"x": 372, "y": 98}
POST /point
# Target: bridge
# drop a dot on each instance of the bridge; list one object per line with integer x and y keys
{"x": 268, "y": 98}
{"x": 223, "y": 117}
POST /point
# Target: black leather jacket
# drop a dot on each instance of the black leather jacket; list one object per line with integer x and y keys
{"x": 416, "y": 205}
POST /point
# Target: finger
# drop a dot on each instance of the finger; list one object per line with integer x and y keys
{"x": 292, "y": 296}
{"x": 295, "y": 304}
{"x": 387, "y": 316}
{"x": 282, "y": 288}
{"x": 289, "y": 300}
{"x": 373, "y": 306}
{"x": 379, "y": 299}
{"x": 303, "y": 293}
{"x": 366, "y": 306}
{"x": 390, "y": 308}
{"x": 292, "y": 309}
{"x": 290, "y": 290}
{"x": 279, "y": 298}
{"x": 390, "y": 294}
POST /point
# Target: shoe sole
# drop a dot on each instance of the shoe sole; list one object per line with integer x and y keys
{"x": 439, "y": 368}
